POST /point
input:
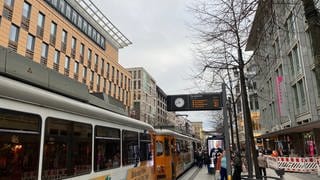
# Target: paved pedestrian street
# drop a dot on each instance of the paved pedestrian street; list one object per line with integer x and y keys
{"x": 202, "y": 174}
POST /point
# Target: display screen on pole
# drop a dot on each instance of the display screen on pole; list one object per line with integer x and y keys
{"x": 194, "y": 102}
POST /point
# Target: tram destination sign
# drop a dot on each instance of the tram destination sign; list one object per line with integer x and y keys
{"x": 194, "y": 102}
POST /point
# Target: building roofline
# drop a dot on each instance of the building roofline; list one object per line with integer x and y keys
{"x": 109, "y": 28}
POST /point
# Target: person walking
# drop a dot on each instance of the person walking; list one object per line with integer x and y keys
{"x": 262, "y": 163}
{"x": 222, "y": 166}
{"x": 237, "y": 163}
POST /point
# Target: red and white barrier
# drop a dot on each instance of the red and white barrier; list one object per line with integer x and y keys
{"x": 294, "y": 164}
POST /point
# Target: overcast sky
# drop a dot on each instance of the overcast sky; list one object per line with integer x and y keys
{"x": 161, "y": 37}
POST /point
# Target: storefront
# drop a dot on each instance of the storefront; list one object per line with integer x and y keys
{"x": 299, "y": 141}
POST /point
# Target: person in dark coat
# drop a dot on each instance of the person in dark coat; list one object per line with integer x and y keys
{"x": 237, "y": 163}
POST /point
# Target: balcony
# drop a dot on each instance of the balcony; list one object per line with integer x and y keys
{"x": 29, "y": 54}
{"x": 13, "y": 45}
{"x": 63, "y": 47}
{"x": 66, "y": 72}
{"x": 7, "y": 12}
{"x": 73, "y": 53}
{"x": 43, "y": 61}
{"x": 84, "y": 80}
{"x": 81, "y": 59}
{"x": 40, "y": 32}
{"x": 91, "y": 85}
{"x": 76, "y": 76}
{"x": 25, "y": 23}
{"x": 52, "y": 40}
{"x": 56, "y": 67}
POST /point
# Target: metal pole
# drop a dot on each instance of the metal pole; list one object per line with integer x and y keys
{"x": 226, "y": 130}
{"x": 230, "y": 123}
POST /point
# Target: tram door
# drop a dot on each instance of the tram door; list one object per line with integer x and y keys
{"x": 165, "y": 158}
{"x": 174, "y": 157}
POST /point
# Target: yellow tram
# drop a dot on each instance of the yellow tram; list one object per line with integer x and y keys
{"x": 174, "y": 153}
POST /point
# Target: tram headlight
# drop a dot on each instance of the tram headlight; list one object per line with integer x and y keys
{"x": 160, "y": 169}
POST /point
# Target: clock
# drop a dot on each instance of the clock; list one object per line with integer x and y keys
{"x": 179, "y": 102}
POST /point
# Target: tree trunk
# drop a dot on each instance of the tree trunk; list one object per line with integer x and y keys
{"x": 251, "y": 152}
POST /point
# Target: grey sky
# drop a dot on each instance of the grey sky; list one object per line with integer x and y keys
{"x": 161, "y": 41}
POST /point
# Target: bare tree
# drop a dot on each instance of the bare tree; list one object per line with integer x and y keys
{"x": 222, "y": 29}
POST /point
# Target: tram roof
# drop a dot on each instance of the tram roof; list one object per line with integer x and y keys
{"x": 173, "y": 133}
{"x": 20, "y": 91}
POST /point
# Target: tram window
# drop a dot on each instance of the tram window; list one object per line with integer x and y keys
{"x": 130, "y": 150}
{"x": 178, "y": 146}
{"x": 106, "y": 148}
{"x": 166, "y": 147}
{"x": 145, "y": 147}
{"x": 67, "y": 149}
{"x": 19, "y": 145}
{"x": 159, "y": 148}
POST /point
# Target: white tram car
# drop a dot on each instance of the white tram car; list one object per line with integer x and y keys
{"x": 44, "y": 135}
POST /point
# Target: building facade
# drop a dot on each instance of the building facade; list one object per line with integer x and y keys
{"x": 73, "y": 38}
{"x": 144, "y": 96}
{"x": 288, "y": 89}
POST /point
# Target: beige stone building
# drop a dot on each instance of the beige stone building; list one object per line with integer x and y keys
{"x": 73, "y": 38}
{"x": 144, "y": 96}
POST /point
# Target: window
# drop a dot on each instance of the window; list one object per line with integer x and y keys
{"x": 84, "y": 72}
{"x": 130, "y": 149}
{"x": 74, "y": 17}
{"x": 159, "y": 148}
{"x": 44, "y": 50}
{"x": 41, "y": 18}
{"x": 26, "y": 10}
{"x": 53, "y": 30}
{"x": 145, "y": 147}
{"x": 81, "y": 49}
{"x": 107, "y": 69}
{"x": 64, "y": 36}
{"x": 89, "y": 54}
{"x": 20, "y": 144}
{"x": 91, "y": 76}
{"x": 9, "y": 3}
{"x": 294, "y": 57}
{"x": 98, "y": 80}
{"x": 62, "y": 6}
{"x": 67, "y": 63}
{"x": 14, "y": 33}
{"x": 85, "y": 26}
{"x": 107, "y": 148}
{"x": 80, "y": 20}
{"x": 76, "y": 68}
{"x": 30, "y": 43}
{"x": 73, "y": 43}
{"x": 96, "y": 59}
{"x": 56, "y": 57}
{"x": 68, "y": 11}
{"x": 67, "y": 147}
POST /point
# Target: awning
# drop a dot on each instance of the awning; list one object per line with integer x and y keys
{"x": 296, "y": 129}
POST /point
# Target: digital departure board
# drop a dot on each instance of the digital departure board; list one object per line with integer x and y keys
{"x": 194, "y": 102}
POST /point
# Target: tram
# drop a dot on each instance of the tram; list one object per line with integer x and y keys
{"x": 174, "y": 153}
{"x": 45, "y": 135}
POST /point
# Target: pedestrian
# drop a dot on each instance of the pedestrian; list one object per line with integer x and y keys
{"x": 222, "y": 166}
{"x": 207, "y": 161}
{"x": 214, "y": 153}
{"x": 237, "y": 163}
{"x": 200, "y": 158}
{"x": 262, "y": 163}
